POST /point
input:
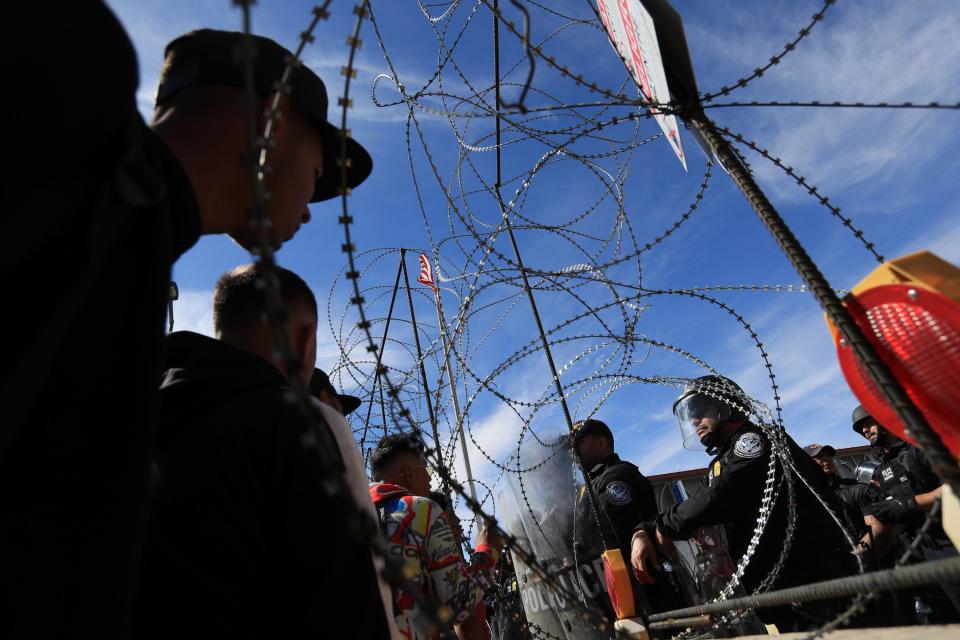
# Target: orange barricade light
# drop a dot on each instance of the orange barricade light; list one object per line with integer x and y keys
{"x": 617, "y": 576}
{"x": 909, "y": 310}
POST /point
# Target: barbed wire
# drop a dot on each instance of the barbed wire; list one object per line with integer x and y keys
{"x": 774, "y": 59}
{"x": 610, "y": 262}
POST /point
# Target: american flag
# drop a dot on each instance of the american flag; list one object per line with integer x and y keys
{"x": 426, "y": 272}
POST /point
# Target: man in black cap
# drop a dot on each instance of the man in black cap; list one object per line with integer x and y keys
{"x": 97, "y": 206}
{"x": 908, "y": 490}
{"x": 712, "y": 412}
{"x": 857, "y": 499}
{"x": 244, "y": 541}
{"x": 626, "y": 499}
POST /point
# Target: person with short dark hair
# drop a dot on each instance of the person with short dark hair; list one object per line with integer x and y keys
{"x": 245, "y": 542}
{"x": 419, "y": 534}
{"x": 97, "y": 207}
{"x": 857, "y": 500}
{"x": 626, "y": 499}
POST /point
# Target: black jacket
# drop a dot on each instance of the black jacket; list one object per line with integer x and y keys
{"x": 626, "y": 499}
{"x": 904, "y": 472}
{"x": 243, "y": 542}
{"x": 732, "y": 497}
{"x": 96, "y": 209}
{"x": 856, "y": 499}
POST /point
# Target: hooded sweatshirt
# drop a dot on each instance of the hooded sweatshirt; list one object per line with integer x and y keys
{"x": 243, "y": 541}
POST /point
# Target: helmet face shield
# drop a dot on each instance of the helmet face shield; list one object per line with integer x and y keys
{"x": 695, "y": 410}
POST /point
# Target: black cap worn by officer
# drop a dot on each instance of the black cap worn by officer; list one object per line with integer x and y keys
{"x": 712, "y": 413}
{"x": 626, "y": 498}
{"x": 207, "y": 57}
{"x": 856, "y": 497}
{"x": 625, "y": 494}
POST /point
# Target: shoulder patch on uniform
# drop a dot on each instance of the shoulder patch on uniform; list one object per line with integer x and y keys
{"x": 749, "y": 445}
{"x": 618, "y": 493}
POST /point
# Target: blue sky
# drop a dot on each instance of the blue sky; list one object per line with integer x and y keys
{"x": 892, "y": 171}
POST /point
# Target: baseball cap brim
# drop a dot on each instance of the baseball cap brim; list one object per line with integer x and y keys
{"x": 814, "y": 450}
{"x": 348, "y": 403}
{"x": 209, "y": 57}
{"x": 359, "y": 164}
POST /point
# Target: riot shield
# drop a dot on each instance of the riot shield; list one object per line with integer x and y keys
{"x": 537, "y": 507}
{"x": 706, "y": 558}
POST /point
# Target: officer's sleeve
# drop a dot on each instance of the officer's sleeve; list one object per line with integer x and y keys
{"x": 929, "y": 480}
{"x": 864, "y": 496}
{"x": 455, "y": 584}
{"x": 733, "y": 492}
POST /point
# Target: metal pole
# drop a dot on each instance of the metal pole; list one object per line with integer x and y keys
{"x": 423, "y": 372}
{"x": 383, "y": 344}
{"x": 853, "y": 338}
{"x": 453, "y": 395}
{"x": 933, "y": 572}
{"x": 605, "y": 536}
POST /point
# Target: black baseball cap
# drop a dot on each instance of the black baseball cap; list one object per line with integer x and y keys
{"x": 208, "y": 57}
{"x": 590, "y": 427}
{"x": 321, "y": 381}
{"x": 813, "y": 450}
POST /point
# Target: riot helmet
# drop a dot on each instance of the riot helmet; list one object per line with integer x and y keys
{"x": 860, "y": 416}
{"x": 705, "y": 398}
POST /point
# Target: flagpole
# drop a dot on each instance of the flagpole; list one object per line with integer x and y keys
{"x": 423, "y": 374}
{"x": 453, "y": 388}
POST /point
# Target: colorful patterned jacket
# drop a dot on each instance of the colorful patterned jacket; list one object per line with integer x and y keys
{"x": 420, "y": 534}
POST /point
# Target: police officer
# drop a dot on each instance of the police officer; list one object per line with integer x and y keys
{"x": 858, "y": 501}
{"x": 909, "y": 489}
{"x": 711, "y": 412}
{"x": 626, "y": 498}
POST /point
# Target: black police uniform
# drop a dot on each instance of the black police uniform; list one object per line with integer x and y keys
{"x": 627, "y": 498}
{"x": 856, "y": 499}
{"x": 732, "y": 496}
{"x": 904, "y": 473}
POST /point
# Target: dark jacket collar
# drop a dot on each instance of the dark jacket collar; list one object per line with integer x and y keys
{"x": 201, "y": 373}
{"x": 200, "y": 359}
{"x": 609, "y": 460}
{"x": 892, "y": 452}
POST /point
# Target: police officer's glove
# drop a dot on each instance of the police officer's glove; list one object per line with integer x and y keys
{"x": 895, "y": 510}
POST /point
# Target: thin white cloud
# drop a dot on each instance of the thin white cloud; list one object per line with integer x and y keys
{"x": 193, "y": 311}
{"x": 911, "y": 58}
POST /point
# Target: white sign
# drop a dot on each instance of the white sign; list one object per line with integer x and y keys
{"x": 634, "y": 37}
